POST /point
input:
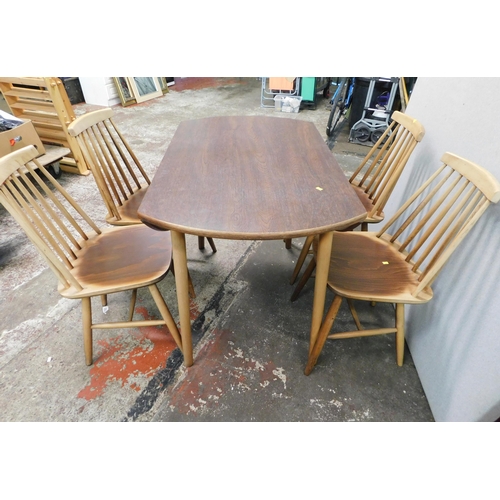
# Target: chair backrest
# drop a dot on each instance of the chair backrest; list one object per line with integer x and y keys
{"x": 431, "y": 224}
{"x": 52, "y": 220}
{"x": 116, "y": 169}
{"x": 381, "y": 168}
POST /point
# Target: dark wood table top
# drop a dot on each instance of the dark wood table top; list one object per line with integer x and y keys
{"x": 249, "y": 177}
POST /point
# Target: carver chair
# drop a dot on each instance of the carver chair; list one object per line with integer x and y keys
{"x": 373, "y": 181}
{"x": 399, "y": 263}
{"x": 87, "y": 260}
{"x": 120, "y": 177}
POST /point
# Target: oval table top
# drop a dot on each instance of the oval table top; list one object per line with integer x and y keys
{"x": 250, "y": 177}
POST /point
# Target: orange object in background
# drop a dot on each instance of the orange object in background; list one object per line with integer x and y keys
{"x": 19, "y": 137}
{"x": 281, "y": 83}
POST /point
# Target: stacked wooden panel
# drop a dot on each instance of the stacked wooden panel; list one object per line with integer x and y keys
{"x": 44, "y": 101}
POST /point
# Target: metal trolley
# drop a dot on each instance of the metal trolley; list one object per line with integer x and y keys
{"x": 268, "y": 94}
{"x": 376, "y": 112}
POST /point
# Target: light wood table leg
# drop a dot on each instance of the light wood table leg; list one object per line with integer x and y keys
{"x": 320, "y": 282}
{"x": 182, "y": 285}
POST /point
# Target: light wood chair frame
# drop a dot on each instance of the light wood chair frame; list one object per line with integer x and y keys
{"x": 119, "y": 175}
{"x": 374, "y": 181}
{"x": 399, "y": 263}
{"x": 68, "y": 238}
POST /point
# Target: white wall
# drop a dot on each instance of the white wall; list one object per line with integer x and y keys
{"x": 455, "y": 338}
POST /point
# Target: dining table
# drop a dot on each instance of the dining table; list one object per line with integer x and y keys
{"x": 249, "y": 178}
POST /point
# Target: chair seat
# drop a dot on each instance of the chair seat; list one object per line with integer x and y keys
{"x": 119, "y": 259}
{"x": 368, "y": 204}
{"x": 365, "y": 267}
{"x": 128, "y": 210}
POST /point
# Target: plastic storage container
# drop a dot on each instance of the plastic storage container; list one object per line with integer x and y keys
{"x": 278, "y": 102}
{"x": 291, "y": 104}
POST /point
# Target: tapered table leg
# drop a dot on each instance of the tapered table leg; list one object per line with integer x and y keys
{"x": 322, "y": 265}
{"x": 182, "y": 286}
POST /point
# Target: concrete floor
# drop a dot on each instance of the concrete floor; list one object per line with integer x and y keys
{"x": 250, "y": 341}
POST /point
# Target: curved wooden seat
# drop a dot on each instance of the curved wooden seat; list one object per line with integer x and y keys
{"x": 383, "y": 275}
{"x": 117, "y": 259}
{"x": 126, "y": 213}
{"x": 364, "y": 197}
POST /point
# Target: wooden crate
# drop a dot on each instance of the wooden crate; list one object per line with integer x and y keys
{"x": 44, "y": 101}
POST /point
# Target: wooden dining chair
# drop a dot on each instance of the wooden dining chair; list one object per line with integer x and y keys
{"x": 373, "y": 181}
{"x": 120, "y": 177}
{"x": 399, "y": 263}
{"x": 87, "y": 260}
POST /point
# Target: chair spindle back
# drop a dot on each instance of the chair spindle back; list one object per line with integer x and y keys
{"x": 432, "y": 223}
{"x": 49, "y": 215}
{"x": 116, "y": 169}
{"x": 380, "y": 170}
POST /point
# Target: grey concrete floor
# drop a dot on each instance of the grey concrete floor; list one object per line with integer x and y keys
{"x": 250, "y": 340}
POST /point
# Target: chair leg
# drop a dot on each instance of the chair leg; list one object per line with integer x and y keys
{"x": 212, "y": 244}
{"x": 302, "y": 257}
{"x": 307, "y": 274}
{"x": 192, "y": 293}
{"x": 166, "y": 315}
{"x": 104, "y": 300}
{"x": 288, "y": 243}
{"x": 354, "y": 314}
{"x": 323, "y": 334}
{"x": 87, "y": 329}
{"x": 364, "y": 227}
{"x": 201, "y": 243}
{"x": 400, "y": 334}
{"x": 132, "y": 304}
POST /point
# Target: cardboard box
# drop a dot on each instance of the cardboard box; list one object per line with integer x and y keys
{"x": 9, "y": 140}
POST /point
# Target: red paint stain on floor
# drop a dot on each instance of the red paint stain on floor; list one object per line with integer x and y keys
{"x": 135, "y": 352}
{"x": 194, "y": 312}
{"x": 220, "y": 368}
